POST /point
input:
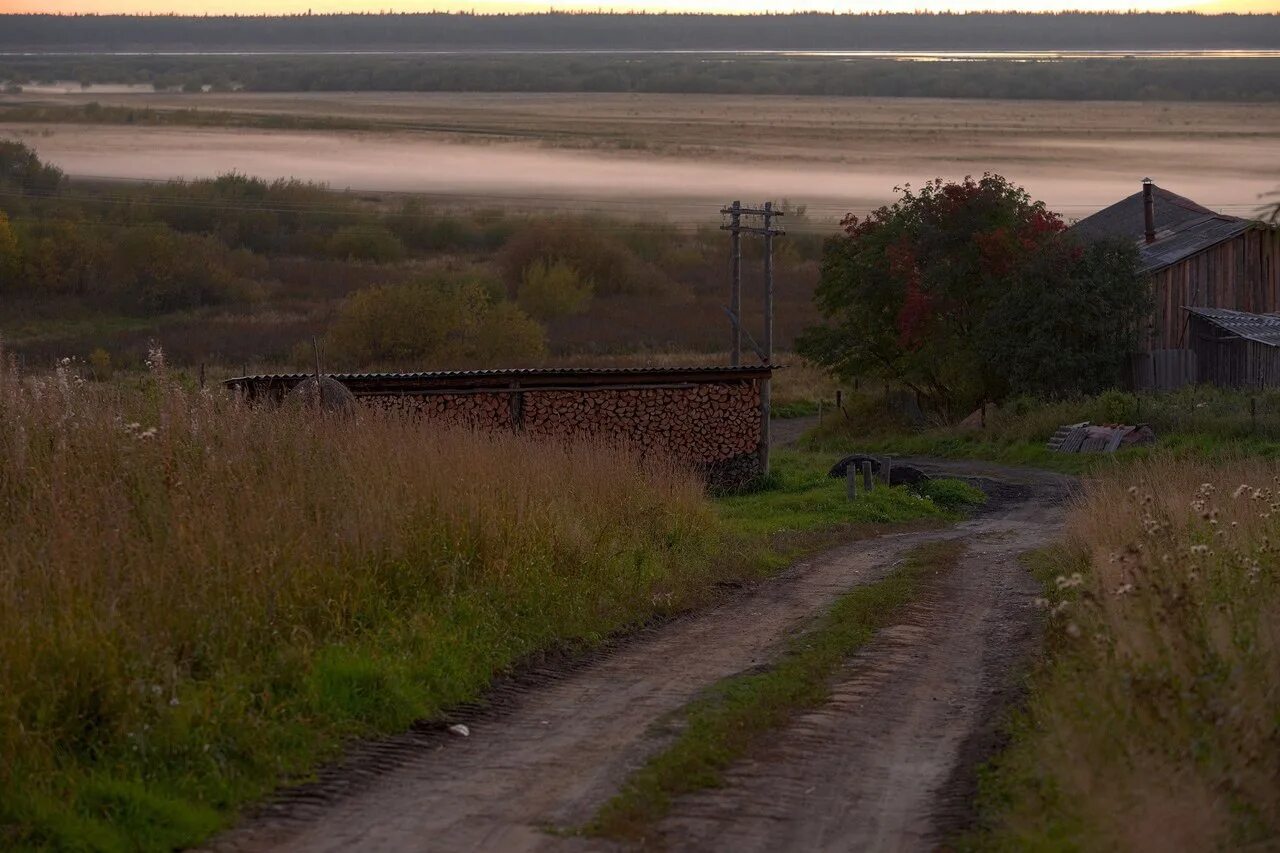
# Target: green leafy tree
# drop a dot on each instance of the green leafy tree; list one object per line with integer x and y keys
{"x": 952, "y": 287}
{"x": 21, "y": 168}
{"x": 1070, "y": 322}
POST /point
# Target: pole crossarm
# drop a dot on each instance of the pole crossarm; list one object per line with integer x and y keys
{"x": 748, "y": 229}
{"x": 752, "y": 211}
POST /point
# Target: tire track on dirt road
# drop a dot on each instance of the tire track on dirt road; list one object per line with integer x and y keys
{"x": 557, "y": 751}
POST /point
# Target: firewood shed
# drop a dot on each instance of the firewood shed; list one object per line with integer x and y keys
{"x": 709, "y": 417}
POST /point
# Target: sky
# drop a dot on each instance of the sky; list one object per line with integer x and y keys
{"x": 259, "y": 7}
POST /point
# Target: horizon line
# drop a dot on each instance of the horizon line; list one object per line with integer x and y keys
{"x": 551, "y": 10}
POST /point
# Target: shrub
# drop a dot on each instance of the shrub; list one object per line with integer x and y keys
{"x": 600, "y": 258}
{"x": 100, "y": 364}
{"x": 365, "y": 243}
{"x": 954, "y": 495}
{"x": 445, "y": 320}
{"x": 551, "y": 289}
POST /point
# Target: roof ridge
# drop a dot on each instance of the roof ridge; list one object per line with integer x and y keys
{"x": 1181, "y": 200}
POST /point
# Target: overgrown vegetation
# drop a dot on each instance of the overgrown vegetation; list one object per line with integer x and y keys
{"x": 800, "y": 496}
{"x": 739, "y": 712}
{"x": 1152, "y": 723}
{"x": 236, "y": 269}
{"x": 201, "y": 599}
{"x": 1194, "y": 422}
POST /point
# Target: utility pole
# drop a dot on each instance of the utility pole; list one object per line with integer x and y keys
{"x": 735, "y": 212}
{"x": 766, "y": 342}
{"x": 735, "y": 285}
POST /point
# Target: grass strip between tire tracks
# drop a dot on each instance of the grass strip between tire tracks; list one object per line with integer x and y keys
{"x": 738, "y": 712}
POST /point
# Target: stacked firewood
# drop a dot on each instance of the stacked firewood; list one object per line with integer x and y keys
{"x": 472, "y": 411}
{"x": 703, "y": 423}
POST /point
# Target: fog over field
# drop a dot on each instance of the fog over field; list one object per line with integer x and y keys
{"x": 612, "y": 151}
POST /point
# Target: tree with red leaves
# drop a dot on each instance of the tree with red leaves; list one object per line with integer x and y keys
{"x": 920, "y": 292}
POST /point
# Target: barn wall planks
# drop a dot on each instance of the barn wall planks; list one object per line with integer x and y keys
{"x": 1231, "y": 361}
{"x": 1242, "y": 273}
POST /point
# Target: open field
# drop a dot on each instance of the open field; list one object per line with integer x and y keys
{"x": 612, "y": 151}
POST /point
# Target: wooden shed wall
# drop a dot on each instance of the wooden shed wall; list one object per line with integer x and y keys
{"x": 1231, "y": 361}
{"x": 1242, "y": 274}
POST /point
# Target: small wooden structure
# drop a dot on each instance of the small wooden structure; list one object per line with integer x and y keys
{"x": 708, "y": 417}
{"x": 1235, "y": 349}
{"x": 1193, "y": 257}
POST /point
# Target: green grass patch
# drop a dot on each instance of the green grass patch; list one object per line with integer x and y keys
{"x": 794, "y": 409}
{"x": 1194, "y": 423}
{"x": 799, "y": 496}
{"x": 739, "y": 712}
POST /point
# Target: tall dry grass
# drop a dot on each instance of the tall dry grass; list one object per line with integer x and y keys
{"x": 1156, "y": 725}
{"x": 198, "y": 598}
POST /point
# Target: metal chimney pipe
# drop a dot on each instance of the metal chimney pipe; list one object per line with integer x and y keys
{"x": 1149, "y": 208}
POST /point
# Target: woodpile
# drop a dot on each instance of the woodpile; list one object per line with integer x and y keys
{"x": 471, "y": 411}
{"x": 706, "y": 424}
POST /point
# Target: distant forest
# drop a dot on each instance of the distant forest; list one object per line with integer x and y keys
{"x": 598, "y": 31}
{"x": 1079, "y": 79}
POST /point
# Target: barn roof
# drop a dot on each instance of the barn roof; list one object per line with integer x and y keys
{"x": 1190, "y": 238}
{"x": 1183, "y": 228}
{"x": 1262, "y": 328}
{"x": 1125, "y": 218}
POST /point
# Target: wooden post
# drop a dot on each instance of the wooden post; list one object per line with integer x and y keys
{"x": 202, "y": 374}
{"x": 867, "y": 482}
{"x": 315, "y": 349}
{"x": 851, "y": 481}
{"x": 1253, "y": 414}
{"x": 735, "y": 286}
{"x": 886, "y": 469}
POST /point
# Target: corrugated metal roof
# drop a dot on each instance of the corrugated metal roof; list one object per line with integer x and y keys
{"x": 1262, "y": 328}
{"x": 1125, "y": 218}
{"x": 525, "y": 377}
{"x": 516, "y": 372}
{"x": 1190, "y": 238}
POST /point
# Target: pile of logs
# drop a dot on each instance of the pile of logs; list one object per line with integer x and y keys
{"x": 471, "y": 411}
{"x": 700, "y": 423}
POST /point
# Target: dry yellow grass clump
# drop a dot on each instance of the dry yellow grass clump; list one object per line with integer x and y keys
{"x": 198, "y": 597}
{"x": 1156, "y": 725}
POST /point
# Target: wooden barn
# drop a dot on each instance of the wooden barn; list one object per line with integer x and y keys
{"x": 1194, "y": 258}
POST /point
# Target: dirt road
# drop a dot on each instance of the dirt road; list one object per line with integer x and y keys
{"x": 886, "y": 765}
